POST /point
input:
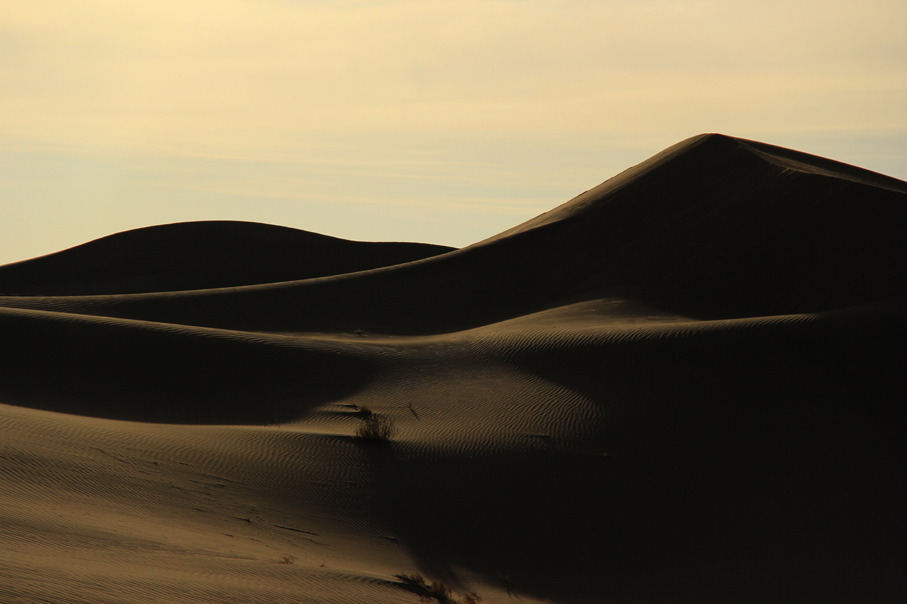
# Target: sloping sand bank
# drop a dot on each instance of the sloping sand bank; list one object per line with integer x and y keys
{"x": 685, "y": 385}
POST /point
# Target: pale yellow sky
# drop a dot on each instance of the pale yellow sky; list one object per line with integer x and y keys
{"x": 433, "y": 121}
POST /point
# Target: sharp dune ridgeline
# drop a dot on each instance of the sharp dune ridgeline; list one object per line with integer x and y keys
{"x": 684, "y": 385}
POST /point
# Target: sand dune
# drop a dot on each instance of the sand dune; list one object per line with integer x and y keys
{"x": 683, "y": 385}
{"x": 200, "y": 255}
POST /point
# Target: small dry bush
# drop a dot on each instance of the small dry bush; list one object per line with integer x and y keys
{"x": 375, "y": 426}
{"x": 437, "y": 590}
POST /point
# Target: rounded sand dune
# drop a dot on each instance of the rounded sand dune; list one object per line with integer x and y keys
{"x": 200, "y": 255}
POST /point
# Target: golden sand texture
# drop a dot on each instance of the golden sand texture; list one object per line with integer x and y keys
{"x": 684, "y": 385}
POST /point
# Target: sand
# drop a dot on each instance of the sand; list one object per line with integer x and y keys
{"x": 684, "y": 385}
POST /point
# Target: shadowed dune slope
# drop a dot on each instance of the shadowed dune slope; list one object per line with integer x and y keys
{"x": 154, "y": 372}
{"x": 684, "y": 385}
{"x": 200, "y": 255}
{"x": 714, "y": 227}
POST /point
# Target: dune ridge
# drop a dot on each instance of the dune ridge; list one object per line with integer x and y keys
{"x": 683, "y": 385}
{"x": 200, "y": 255}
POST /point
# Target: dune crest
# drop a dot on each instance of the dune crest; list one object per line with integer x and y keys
{"x": 200, "y": 255}
{"x": 683, "y": 385}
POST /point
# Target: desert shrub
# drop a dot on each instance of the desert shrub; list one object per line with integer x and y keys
{"x": 416, "y": 579}
{"x": 375, "y": 426}
{"x": 437, "y": 590}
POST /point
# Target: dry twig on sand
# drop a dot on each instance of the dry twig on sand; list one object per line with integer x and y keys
{"x": 375, "y": 426}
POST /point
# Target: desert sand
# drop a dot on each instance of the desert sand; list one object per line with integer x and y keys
{"x": 683, "y": 385}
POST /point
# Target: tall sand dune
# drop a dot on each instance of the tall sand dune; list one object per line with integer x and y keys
{"x": 684, "y": 385}
{"x": 714, "y": 226}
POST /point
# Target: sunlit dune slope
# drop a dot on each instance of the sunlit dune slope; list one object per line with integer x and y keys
{"x": 580, "y": 455}
{"x": 714, "y": 226}
{"x": 200, "y": 255}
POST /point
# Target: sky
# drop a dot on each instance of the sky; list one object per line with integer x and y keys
{"x": 402, "y": 120}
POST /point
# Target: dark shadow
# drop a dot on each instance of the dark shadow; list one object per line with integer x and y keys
{"x": 161, "y": 374}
